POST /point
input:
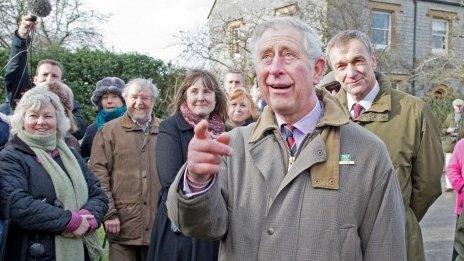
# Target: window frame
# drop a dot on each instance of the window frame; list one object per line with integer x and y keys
{"x": 387, "y": 45}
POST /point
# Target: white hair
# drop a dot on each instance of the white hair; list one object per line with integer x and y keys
{"x": 37, "y": 99}
{"x": 311, "y": 42}
{"x": 141, "y": 82}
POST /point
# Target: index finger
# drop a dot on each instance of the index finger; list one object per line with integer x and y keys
{"x": 201, "y": 130}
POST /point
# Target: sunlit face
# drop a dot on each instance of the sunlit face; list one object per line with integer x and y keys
{"x": 354, "y": 68}
{"x": 41, "y": 122}
{"x": 232, "y": 81}
{"x": 48, "y": 73}
{"x": 139, "y": 102}
{"x": 200, "y": 100}
{"x": 239, "y": 110}
{"x": 110, "y": 101}
{"x": 285, "y": 77}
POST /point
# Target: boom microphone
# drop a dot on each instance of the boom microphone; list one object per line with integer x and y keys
{"x": 40, "y": 8}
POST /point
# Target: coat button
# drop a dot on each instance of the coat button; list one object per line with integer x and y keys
{"x": 319, "y": 152}
{"x": 270, "y": 231}
{"x": 331, "y": 182}
{"x": 317, "y": 181}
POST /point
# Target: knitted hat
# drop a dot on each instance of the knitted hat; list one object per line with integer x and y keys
{"x": 106, "y": 85}
{"x": 458, "y": 102}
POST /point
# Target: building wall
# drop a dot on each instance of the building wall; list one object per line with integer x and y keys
{"x": 397, "y": 60}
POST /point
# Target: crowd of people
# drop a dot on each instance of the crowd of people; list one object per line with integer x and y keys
{"x": 302, "y": 166}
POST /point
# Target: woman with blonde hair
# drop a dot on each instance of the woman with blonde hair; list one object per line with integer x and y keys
{"x": 56, "y": 203}
{"x": 241, "y": 109}
{"x": 66, "y": 97}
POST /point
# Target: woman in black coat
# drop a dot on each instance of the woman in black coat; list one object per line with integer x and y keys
{"x": 108, "y": 98}
{"x": 46, "y": 222}
{"x": 199, "y": 98}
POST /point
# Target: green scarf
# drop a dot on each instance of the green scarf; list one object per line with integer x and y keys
{"x": 70, "y": 188}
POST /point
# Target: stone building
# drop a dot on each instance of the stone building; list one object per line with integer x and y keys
{"x": 419, "y": 44}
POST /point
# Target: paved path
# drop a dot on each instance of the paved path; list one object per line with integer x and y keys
{"x": 438, "y": 228}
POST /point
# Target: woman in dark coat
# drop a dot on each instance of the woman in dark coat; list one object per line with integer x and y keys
{"x": 199, "y": 98}
{"x": 56, "y": 202}
{"x": 108, "y": 98}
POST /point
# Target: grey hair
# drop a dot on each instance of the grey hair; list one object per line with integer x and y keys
{"x": 37, "y": 99}
{"x": 345, "y": 36}
{"x": 145, "y": 83}
{"x": 311, "y": 42}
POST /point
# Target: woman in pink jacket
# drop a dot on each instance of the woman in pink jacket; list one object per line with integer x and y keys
{"x": 455, "y": 173}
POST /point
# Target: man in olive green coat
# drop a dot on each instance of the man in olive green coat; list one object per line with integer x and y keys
{"x": 402, "y": 121}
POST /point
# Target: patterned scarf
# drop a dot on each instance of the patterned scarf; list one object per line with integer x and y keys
{"x": 70, "y": 188}
{"x": 105, "y": 116}
{"x": 215, "y": 124}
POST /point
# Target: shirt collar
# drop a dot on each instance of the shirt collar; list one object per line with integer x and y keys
{"x": 144, "y": 126}
{"x": 308, "y": 123}
{"x": 366, "y": 103}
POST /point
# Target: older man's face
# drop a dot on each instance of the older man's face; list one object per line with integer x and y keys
{"x": 353, "y": 68}
{"x": 140, "y": 103}
{"x": 285, "y": 77}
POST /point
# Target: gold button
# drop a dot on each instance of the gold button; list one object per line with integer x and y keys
{"x": 331, "y": 182}
{"x": 316, "y": 181}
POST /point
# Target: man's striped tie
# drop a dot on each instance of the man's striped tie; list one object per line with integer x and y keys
{"x": 287, "y": 130}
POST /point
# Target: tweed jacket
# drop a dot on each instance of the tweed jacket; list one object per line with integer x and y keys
{"x": 123, "y": 158}
{"x": 339, "y": 200}
{"x": 411, "y": 133}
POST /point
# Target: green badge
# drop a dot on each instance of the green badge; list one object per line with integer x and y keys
{"x": 345, "y": 159}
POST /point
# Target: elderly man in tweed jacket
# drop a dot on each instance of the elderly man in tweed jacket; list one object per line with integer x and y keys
{"x": 333, "y": 197}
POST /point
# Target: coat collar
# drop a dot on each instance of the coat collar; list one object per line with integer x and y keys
{"x": 182, "y": 124}
{"x": 380, "y": 107}
{"x": 18, "y": 144}
{"x": 321, "y": 154}
{"x": 128, "y": 124}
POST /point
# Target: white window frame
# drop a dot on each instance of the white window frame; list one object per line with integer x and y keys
{"x": 389, "y": 29}
{"x": 446, "y": 36}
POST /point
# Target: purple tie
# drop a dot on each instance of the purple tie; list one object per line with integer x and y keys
{"x": 287, "y": 130}
{"x": 357, "y": 108}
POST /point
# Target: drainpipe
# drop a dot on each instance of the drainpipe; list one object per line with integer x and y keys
{"x": 414, "y": 49}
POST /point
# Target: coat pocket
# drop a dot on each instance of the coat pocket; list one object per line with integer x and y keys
{"x": 350, "y": 244}
{"x": 130, "y": 216}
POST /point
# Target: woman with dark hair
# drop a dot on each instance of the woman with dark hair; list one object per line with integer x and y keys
{"x": 199, "y": 97}
{"x": 108, "y": 98}
{"x": 55, "y": 202}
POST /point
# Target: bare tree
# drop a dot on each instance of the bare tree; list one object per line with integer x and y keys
{"x": 70, "y": 24}
{"x": 224, "y": 43}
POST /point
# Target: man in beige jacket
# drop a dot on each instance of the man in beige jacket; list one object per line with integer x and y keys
{"x": 123, "y": 158}
{"x": 288, "y": 187}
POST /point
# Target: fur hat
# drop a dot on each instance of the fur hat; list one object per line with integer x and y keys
{"x": 106, "y": 85}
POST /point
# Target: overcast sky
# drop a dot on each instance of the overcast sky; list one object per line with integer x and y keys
{"x": 148, "y": 26}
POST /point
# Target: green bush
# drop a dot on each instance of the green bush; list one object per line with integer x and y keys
{"x": 84, "y": 67}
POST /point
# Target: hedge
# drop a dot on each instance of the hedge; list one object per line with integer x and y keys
{"x": 84, "y": 67}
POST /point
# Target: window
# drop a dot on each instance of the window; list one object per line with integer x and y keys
{"x": 440, "y": 28}
{"x": 381, "y": 29}
{"x": 234, "y": 37}
{"x": 289, "y": 10}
